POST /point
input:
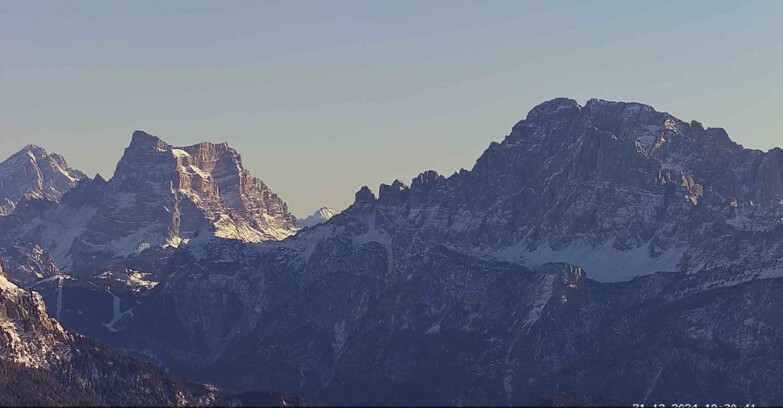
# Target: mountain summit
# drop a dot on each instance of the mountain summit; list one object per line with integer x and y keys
{"x": 322, "y": 215}
{"x": 201, "y": 184}
{"x": 35, "y": 172}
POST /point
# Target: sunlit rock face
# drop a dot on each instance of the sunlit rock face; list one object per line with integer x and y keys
{"x": 199, "y": 185}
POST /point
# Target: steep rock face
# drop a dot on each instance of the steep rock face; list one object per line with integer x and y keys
{"x": 201, "y": 184}
{"x": 319, "y": 217}
{"x": 35, "y": 172}
{"x": 159, "y": 197}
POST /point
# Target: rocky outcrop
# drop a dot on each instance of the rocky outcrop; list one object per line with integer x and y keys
{"x": 32, "y": 171}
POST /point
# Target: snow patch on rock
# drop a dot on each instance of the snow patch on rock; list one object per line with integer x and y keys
{"x": 603, "y": 263}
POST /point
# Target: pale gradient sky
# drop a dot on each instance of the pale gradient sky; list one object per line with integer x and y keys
{"x": 323, "y": 97}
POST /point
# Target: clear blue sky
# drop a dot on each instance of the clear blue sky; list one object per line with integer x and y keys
{"x": 324, "y": 97}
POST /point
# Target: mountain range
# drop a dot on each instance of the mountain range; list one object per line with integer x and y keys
{"x": 607, "y": 253}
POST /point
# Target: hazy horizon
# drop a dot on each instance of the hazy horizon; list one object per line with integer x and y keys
{"x": 322, "y": 98}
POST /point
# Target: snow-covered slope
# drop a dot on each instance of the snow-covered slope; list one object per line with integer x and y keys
{"x": 322, "y": 215}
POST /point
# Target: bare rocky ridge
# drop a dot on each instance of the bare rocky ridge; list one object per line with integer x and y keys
{"x": 33, "y": 171}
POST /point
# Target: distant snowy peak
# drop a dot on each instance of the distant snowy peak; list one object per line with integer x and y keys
{"x": 320, "y": 216}
{"x": 33, "y": 171}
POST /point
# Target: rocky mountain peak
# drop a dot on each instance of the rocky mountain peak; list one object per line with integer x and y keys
{"x": 426, "y": 178}
{"x": 364, "y": 196}
{"x": 149, "y": 156}
{"x": 394, "y": 193}
{"x": 33, "y": 170}
{"x": 35, "y": 150}
{"x": 555, "y": 108}
{"x": 141, "y": 140}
